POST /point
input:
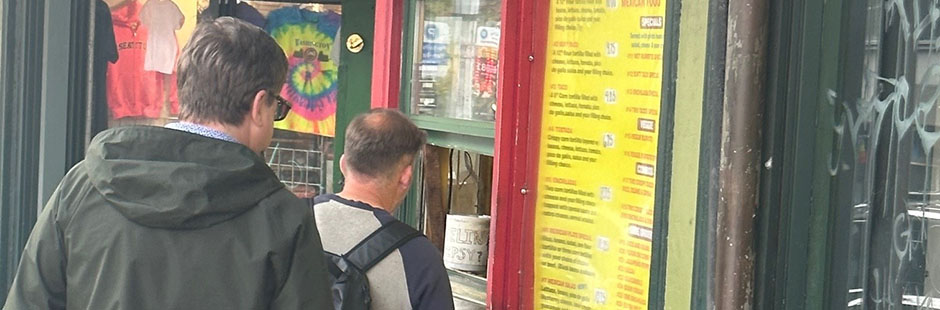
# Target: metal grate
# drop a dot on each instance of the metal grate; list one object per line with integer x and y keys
{"x": 299, "y": 163}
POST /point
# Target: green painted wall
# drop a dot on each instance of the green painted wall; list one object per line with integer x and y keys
{"x": 693, "y": 28}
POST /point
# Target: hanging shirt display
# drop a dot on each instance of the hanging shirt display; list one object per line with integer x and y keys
{"x": 105, "y": 53}
{"x": 162, "y": 18}
{"x": 132, "y": 91}
{"x": 307, "y": 38}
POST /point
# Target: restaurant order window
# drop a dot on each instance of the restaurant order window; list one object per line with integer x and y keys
{"x": 449, "y": 83}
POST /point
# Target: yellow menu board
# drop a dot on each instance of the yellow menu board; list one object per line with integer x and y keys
{"x": 597, "y": 173}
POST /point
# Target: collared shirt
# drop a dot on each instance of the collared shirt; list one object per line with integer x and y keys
{"x": 201, "y": 130}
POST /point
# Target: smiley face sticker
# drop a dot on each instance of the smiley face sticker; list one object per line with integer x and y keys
{"x": 355, "y": 43}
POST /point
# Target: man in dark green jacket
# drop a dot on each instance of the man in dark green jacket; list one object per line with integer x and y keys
{"x": 185, "y": 217}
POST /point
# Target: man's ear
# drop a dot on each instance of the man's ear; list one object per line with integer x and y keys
{"x": 342, "y": 165}
{"x": 258, "y": 107}
{"x": 404, "y": 180}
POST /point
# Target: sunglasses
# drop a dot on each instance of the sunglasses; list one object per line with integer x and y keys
{"x": 283, "y": 107}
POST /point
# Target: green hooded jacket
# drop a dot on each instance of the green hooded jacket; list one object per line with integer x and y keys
{"x": 156, "y": 218}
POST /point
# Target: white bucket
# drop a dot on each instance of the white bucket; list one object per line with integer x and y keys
{"x": 466, "y": 242}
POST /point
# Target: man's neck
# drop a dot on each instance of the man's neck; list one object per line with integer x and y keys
{"x": 234, "y": 132}
{"x": 369, "y": 195}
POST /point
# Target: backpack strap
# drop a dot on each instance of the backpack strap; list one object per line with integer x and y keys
{"x": 379, "y": 244}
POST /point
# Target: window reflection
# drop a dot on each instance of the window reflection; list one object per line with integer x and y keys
{"x": 884, "y": 162}
{"x": 456, "y": 59}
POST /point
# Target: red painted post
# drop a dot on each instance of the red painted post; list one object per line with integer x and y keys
{"x": 518, "y": 125}
{"x": 386, "y": 55}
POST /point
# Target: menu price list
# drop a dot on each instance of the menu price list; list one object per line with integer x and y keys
{"x": 598, "y": 154}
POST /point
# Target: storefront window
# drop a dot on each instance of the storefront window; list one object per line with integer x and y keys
{"x": 301, "y": 152}
{"x": 452, "y": 83}
{"x": 456, "y": 59}
{"x": 137, "y": 43}
{"x": 885, "y": 162}
{"x": 307, "y": 33}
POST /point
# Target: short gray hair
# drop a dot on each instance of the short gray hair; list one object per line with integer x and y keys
{"x": 377, "y": 141}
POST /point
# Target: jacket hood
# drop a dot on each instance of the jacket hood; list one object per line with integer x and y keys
{"x": 165, "y": 178}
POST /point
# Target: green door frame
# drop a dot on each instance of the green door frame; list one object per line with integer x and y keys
{"x": 793, "y": 242}
{"x": 355, "y": 75}
{"x": 818, "y": 266}
{"x": 788, "y": 122}
{"x": 664, "y": 157}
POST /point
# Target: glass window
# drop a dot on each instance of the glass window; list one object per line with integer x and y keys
{"x": 137, "y": 43}
{"x": 886, "y": 188}
{"x": 301, "y": 152}
{"x": 456, "y": 59}
{"x": 307, "y": 33}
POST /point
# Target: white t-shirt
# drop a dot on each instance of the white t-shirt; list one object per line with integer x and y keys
{"x": 162, "y": 18}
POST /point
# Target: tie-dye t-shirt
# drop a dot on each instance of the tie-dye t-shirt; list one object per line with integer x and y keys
{"x": 307, "y": 39}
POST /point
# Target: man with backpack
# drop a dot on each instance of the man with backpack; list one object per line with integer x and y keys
{"x": 376, "y": 261}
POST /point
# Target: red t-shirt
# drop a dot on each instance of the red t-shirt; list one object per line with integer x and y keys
{"x": 132, "y": 91}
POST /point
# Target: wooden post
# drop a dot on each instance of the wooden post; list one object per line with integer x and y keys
{"x": 436, "y": 209}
